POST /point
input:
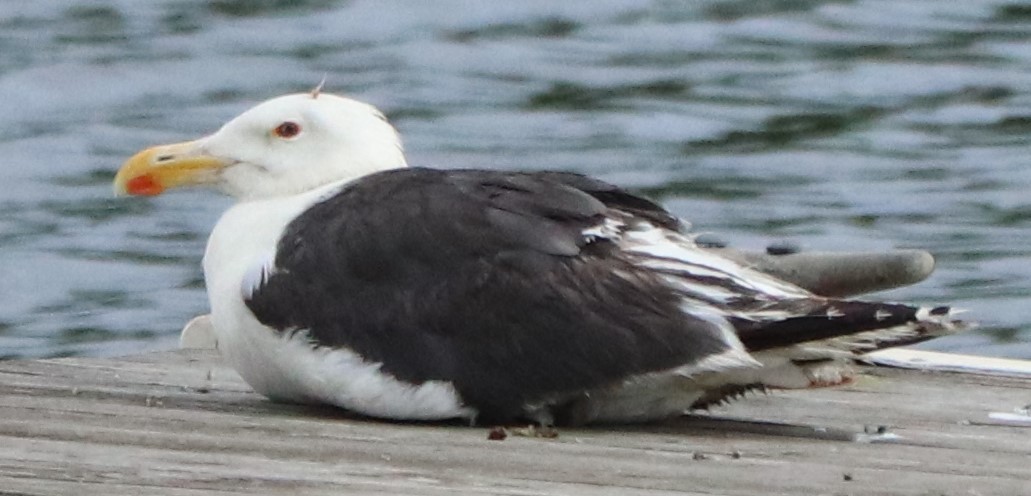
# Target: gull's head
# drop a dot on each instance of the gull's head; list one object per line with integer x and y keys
{"x": 283, "y": 146}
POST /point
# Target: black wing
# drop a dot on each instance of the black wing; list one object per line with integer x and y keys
{"x": 483, "y": 279}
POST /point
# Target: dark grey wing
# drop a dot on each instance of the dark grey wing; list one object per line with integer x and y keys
{"x": 615, "y": 197}
{"x": 483, "y": 279}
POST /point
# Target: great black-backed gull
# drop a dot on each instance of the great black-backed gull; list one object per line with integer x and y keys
{"x": 342, "y": 276}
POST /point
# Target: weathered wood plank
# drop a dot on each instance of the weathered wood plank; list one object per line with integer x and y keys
{"x": 182, "y": 424}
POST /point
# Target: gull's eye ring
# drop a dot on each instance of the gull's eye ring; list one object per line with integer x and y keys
{"x": 287, "y": 130}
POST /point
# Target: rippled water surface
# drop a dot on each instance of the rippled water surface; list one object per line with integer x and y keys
{"x": 832, "y": 124}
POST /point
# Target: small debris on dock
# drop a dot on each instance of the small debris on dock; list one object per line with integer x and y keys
{"x": 532, "y": 430}
{"x": 497, "y": 433}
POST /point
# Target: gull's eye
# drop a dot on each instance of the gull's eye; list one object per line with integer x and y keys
{"x": 287, "y": 130}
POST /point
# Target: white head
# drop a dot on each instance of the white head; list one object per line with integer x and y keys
{"x": 283, "y": 146}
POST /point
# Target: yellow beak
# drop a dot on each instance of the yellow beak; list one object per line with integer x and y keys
{"x": 152, "y": 171}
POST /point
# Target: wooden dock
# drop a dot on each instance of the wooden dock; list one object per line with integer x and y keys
{"x": 180, "y": 423}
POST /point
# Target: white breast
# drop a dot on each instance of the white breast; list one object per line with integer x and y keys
{"x": 244, "y": 238}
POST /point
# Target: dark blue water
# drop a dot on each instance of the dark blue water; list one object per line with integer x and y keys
{"x": 831, "y": 124}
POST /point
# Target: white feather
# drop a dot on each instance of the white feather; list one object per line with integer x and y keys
{"x": 665, "y": 249}
{"x": 261, "y": 269}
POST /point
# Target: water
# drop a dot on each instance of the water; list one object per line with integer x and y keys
{"x": 832, "y": 124}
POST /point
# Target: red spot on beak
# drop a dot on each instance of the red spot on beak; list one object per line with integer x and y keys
{"x": 144, "y": 185}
